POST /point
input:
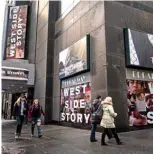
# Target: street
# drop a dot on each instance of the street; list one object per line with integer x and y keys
{"x": 66, "y": 140}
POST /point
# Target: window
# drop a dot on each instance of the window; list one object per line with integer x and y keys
{"x": 67, "y": 6}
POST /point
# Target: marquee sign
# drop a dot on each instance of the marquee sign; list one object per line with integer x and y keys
{"x": 11, "y": 73}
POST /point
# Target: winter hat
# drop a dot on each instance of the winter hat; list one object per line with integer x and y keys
{"x": 107, "y": 100}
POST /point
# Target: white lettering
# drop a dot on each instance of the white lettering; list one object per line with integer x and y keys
{"x": 71, "y": 91}
{"x": 67, "y": 115}
{"x": 63, "y": 116}
{"x": 11, "y": 53}
{"x": 66, "y": 92}
{"x": 143, "y": 75}
{"x": 133, "y": 74}
{"x": 79, "y": 118}
{"x": 77, "y": 90}
{"x": 150, "y": 117}
{"x": 73, "y": 117}
{"x": 84, "y": 88}
{"x": 76, "y": 104}
{"x": 19, "y": 32}
{"x": 14, "y": 16}
{"x": 82, "y": 103}
{"x": 87, "y": 116}
{"x": 66, "y": 104}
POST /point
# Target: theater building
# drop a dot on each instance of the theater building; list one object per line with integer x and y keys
{"x": 81, "y": 49}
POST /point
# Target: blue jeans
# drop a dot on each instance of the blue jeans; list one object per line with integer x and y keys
{"x": 20, "y": 120}
{"x": 35, "y": 120}
{"x": 93, "y": 130}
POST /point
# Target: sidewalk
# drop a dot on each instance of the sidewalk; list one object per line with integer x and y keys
{"x": 64, "y": 140}
{"x": 4, "y": 122}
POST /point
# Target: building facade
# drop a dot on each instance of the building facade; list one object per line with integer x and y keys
{"x": 82, "y": 49}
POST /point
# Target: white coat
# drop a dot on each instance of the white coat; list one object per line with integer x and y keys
{"x": 108, "y": 114}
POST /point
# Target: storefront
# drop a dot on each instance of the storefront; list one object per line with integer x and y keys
{"x": 15, "y": 81}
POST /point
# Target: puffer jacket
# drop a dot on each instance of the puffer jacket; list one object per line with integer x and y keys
{"x": 108, "y": 115}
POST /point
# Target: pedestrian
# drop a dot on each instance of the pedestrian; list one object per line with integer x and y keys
{"x": 19, "y": 111}
{"x": 35, "y": 113}
{"x": 96, "y": 117}
{"x": 107, "y": 121}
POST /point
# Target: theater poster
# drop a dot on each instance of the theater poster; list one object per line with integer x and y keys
{"x": 76, "y": 100}
{"x": 16, "y": 32}
{"x": 140, "y": 97}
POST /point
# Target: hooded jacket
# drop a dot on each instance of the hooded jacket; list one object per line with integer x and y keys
{"x": 108, "y": 114}
{"x": 95, "y": 104}
{"x": 96, "y": 108}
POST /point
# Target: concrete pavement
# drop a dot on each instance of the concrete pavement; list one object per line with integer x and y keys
{"x": 66, "y": 140}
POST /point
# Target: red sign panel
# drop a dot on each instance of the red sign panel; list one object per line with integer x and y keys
{"x": 17, "y": 23}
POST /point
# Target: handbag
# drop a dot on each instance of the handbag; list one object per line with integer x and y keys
{"x": 97, "y": 115}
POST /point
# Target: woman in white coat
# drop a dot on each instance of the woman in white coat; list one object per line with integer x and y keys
{"x": 107, "y": 121}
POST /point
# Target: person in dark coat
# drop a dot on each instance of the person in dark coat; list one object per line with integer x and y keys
{"x": 35, "y": 113}
{"x": 19, "y": 111}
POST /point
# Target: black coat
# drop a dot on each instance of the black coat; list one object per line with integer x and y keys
{"x": 96, "y": 107}
{"x": 17, "y": 109}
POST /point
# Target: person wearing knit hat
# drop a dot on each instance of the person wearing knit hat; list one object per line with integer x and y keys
{"x": 107, "y": 121}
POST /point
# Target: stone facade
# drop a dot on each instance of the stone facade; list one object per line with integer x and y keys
{"x": 104, "y": 21}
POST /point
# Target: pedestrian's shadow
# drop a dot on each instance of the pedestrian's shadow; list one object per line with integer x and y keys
{"x": 23, "y": 138}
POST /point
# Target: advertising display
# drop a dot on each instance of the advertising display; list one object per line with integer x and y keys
{"x": 137, "y": 46}
{"x": 76, "y": 100}
{"x": 15, "y": 73}
{"x": 74, "y": 59}
{"x": 140, "y": 100}
{"x": 17, "y": 23}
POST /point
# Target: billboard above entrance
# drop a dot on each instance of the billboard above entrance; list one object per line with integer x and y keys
{"x": 75, "y": 58}
{"x": 16, "y": 32}
{"x": 139, "y": 49}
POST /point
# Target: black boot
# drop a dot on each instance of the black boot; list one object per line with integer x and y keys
{"x": 117, "y": 139}
{"x": 20, "y": 128}
{"x": 103, "y": 139}
{"x": 32, "y": 130}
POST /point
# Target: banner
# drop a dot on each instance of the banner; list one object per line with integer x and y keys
{"x": 140, "y": 102}
{"x": 74, "y": 59}
{"x": 17, "y": 23}
{"x": 137, "y": 46}
{"x": 76, "y": 103}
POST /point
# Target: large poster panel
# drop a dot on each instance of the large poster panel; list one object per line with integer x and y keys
{"x": 140, "y": 102}
{"x": 74, "y": 59}
{"x": 76, "y": 102}
{"x": 138, "y": 45}
{"x": 17, "y": 22}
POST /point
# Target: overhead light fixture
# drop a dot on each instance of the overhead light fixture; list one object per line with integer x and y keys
{"x": 12, "y": 85}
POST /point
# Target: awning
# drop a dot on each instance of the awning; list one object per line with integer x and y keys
{"x": 17, "y": 76}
